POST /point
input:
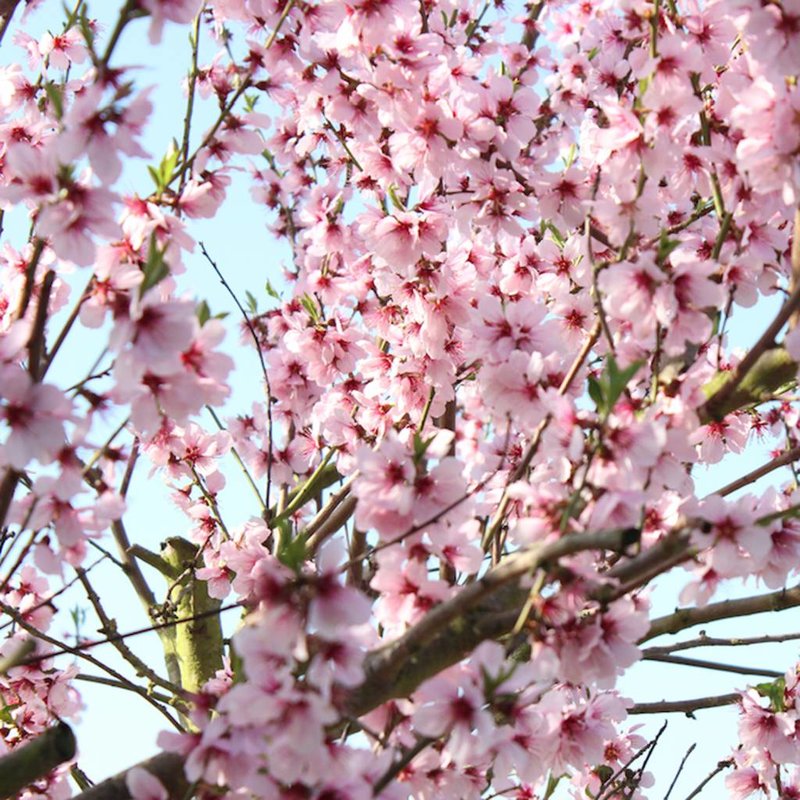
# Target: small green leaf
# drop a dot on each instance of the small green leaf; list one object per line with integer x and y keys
{"x": 156, "y": 269}
{"x": 556, "y": 233}
{"x": 619, "y": 379}
{"x": 203, "y": 313}
{"x": 53, "y": 91}
{"x": 271, "y": 291}
{"x": 421, "y": 446}
{"x": 596, "y": 393}
{"x": 252, "y": 303}
{"x": 775, "y": 692}
{"x": 392, "y": 192}
{"x": 310, "y": 305}
{"x": 292, "y": 552}
{"x": 665, "y": 247}
{"x": 162, "y": 174}
{"x": 6, "y": 715}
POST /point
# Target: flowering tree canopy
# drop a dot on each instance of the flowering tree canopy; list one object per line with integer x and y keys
{"x": 517, "y": 239}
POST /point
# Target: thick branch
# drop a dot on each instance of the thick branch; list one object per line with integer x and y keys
{"x": 440, "y": 638}
{"x": 683, "y": 618}
{"x": 29, "y": 762}
{"x": 167, "y": 767}
{"x": 758, "y": 376}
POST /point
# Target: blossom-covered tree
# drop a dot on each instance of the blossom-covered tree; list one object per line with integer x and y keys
{"x": 518, "y": 238}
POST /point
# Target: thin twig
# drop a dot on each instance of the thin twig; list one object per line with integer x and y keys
{"x": 684, "y": 706}
{"x": 696, "y": 662}
{"x": 194, "y": 39}
{"x": 680, "y": 769}
{"x": 78, "y": 651}
{"x": 525, "y": 462}
{"x": 712, "y": 641}
{"x": 609, "y": 785}
{"x": 261, "y": 361}
{"x": 789, "y": 457}
{"x": 728, "y": 762}
{"x": 398, "y": 766}
{"x": 83, "y": 647}
{"x": 109, "y": 628}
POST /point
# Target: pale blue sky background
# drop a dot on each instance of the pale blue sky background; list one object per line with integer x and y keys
{"x": 119, "y": 728}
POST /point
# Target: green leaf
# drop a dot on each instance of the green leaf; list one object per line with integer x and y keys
{"x": 6, "y": 715}
{"x": 775, "y": 692}
{"x": 203, "y": 313}
{"x": 665, "y": 247}
{"x": 618, "y": 379}
{"x": 392, "y": 192}
{"x": 292, "y": 550}
{"x": 156, "y": 269}
{"x": 607, "y": 390}
{"x": 421, "y": 446}
{"x": 596, "y": 393}
{"x": 558, "y": 237}
{"x": 252, "y": 303}
{"x": 271, "y": 291}
{"x": 552, "y": 784}
{"x": 162, "y": 174}
{"x": 310, "y": 305}
{"x": 53, "y": 91}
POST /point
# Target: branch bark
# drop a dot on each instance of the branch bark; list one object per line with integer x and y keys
{"x": 34, "y": 760}
{"x": 684, "y": 706}
{"x": 683, "y": 618}
{"x": 167, "y": 767}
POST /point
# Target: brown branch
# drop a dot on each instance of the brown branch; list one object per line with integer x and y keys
{"x": 34, "y": 760}
{"x": 167, "y": 767}
{"x": 683, "y": 618}
{"x": 386, "y": 666}
{"x": 712, "y": 641}
{"x": 7, "y": 8}
{"x": 109, "y": 629}
{"x": 684, "y": 706}
{"x": 78, "y": 651}
{"x": 728, "y": 762}
{"x": 697, "y": 662}
{"x": 36, "y": 341}
{"x": 789, "y": 457}
{"x": 673, "y": 549}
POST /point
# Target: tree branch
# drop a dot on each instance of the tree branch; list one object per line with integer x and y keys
{"x": 439, "y": 639}
{"x": 688, "y": 617}
{"x": 29, "y": 762}
{"x": 711, "y": 641}
{"x": 789, "y": 457}
{"x": 697, "y": 662}
{"x": 684, "y": 706}
{"x": 167, "y": 767}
